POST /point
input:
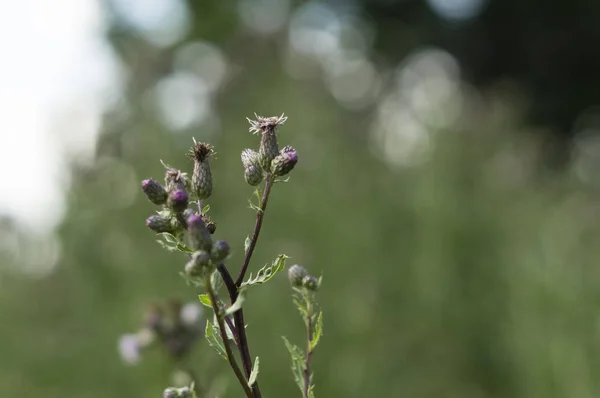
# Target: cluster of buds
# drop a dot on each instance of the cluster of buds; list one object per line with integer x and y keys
{"x": 179, "y": 193}
{"x": 207, "y": 254}
{"x": 301, "y": 279}
{"x": 174, "y": 326}
{"x": 269, "y": 159}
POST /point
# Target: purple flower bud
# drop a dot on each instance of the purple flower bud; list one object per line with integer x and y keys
{"x": 159, "y": 224}
{"x": 155, "y": 192}
{"x": 284, "y": 162}
{"x": 295, "y": 274}
{"x": 199, "y": 235}
{"x": 253, "y": 175}
{"x": 178, "y": 200}
{"x": 220, "y": 251}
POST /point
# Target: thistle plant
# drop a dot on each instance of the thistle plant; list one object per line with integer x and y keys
{"x": 183, "y": 225}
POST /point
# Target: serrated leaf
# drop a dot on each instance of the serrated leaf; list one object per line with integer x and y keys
{"x": 267, "y": 272}
{"x": 283, "y": 180}
{"x": 214, "y": 339}
{"x": 254, "y": 373}
{"x": 258, "y": 196}
{"x": 247, "y": 244}
{"x": 300, "y": 302}
{"x": 237, "y": 305}
{"x": 216, "y": 281}
{"x": 190, "y": 281}
{"x": 171, "y": 243}
{"x": 297, "y": 363}
{"x": 205, "y": 300}
{"x": 228, "y": 331}
{"x": 318, "y": 332}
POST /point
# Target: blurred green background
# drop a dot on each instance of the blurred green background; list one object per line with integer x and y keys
{"x": 447, "y": 190}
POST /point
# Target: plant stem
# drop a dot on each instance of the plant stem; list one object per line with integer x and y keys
{"x": 309, "y": 332}
{"x": 269, "y": 180}
{"x": 238, "y": 316}
{"x": 232, "y": 362}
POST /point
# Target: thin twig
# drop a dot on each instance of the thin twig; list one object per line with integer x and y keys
{"x": 259, "y": 220}
{"x": 309, "y": 332}
{"x": 232, "y": 362}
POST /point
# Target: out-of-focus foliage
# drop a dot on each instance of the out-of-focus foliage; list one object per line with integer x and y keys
{"x": 462, "y": 268}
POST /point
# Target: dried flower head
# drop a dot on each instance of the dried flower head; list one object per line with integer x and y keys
{"x": 268, "y": 148}
{"x": 175, "y": 179}
{"x": 201, "y": 177}
{"x": 262, "y": 124}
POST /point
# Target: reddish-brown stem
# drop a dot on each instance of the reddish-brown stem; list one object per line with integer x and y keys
{"x": 240, "y": 331}
{"x": 232, "y": 362}
{"x": 257, "y": 226}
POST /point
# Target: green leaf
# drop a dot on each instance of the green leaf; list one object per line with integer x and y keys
{"x": 205, "y": 209}
{"x": 258, "y": 196}
{"x": 297, "y": 363}
{"x": 191, "y": 281}
{"x": 205, "y": 300}
{"x": 318, "y": 332}
{"x": 214, "y": 339}
{"x": 253, "y": 374}
{"x": 238, "y": 302}
{"x": 216, "y": 281}
{"x": 228, "y": 331}
{"x": 283, "y": 180}
{"x": 267, "y": 272}
{"x": 247, "y": 244}
{"x": 301, "y": 304}
{"x": 171, "y": 243}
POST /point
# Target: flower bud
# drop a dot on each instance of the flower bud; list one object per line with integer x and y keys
{"x": 175, "y": 180}
{"x": 178, "y": 200}
{"x": 309, "y": 282}
{"x": 155, "y": 192}
{"x": 159, "y": 224}
{"x": 200, "y": 238}
{"x": 185, "y": 392}
{"x": 220, "y": 251}
{"x": 202, "y": 177}
{"x": 253, "y": 175}
{"x": 267, "y": 127}
{"x": 284, "y": 162}
{"x": 296, "y": 274}
{"x": 210, "y": 224}
{"x": 188, "y": 212}
{"x": 199, "y": 264}
{"x": 249, "y": 158}
{"x": 170, "y": 392}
